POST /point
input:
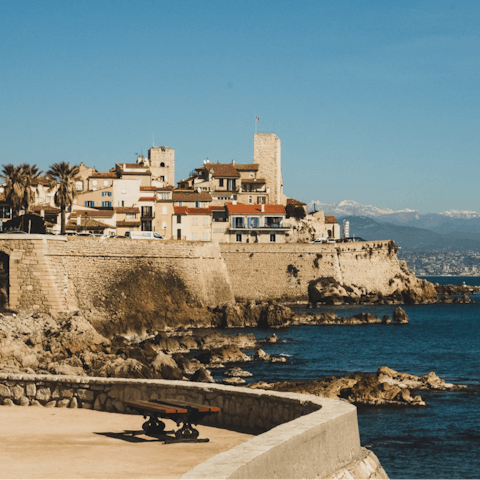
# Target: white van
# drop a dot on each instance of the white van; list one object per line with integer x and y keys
{"x": 144, "y": 236}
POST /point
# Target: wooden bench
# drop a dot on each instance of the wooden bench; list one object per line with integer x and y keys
{"x": 185, "y": 413}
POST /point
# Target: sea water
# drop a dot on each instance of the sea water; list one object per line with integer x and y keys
{"x": 441, "y": 440}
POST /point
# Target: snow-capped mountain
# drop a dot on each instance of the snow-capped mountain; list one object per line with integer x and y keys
{"x": 351, "y": 207}
{"x": 465, "y": 214}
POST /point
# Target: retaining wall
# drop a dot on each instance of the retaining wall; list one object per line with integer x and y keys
{"x": 304, "y": 436}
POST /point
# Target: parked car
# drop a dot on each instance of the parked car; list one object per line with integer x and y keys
{"x": 144, "y": 235}
{"x": 354, "y": 239}
{"x": 319, "y": 240}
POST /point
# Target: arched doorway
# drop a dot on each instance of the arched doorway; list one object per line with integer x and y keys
{"x": 4, "y": 280}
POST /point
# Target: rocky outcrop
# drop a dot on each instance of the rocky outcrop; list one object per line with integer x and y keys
{"x": 385, "y": 388}
{"x": 403, "y": 288}
{"x": 456, "y": 289}
{"x": 331, "y": 318}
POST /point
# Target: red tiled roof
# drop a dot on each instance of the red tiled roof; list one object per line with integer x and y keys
{"x": 41, "y": 181}
{"x": 87, "y": 223}
{"x": 292, "y": 201}
{"x": 126, "y": 209}
{"x": 246, "y": 167}
{"x": 131, "y": 165}
{"x": 45, "y": 208}
{"x": 222, "y": 169}
{"x": 253, "y": 180}
{"x": 128, "y": 223}
{"x": 330, "y": 219}
{"x": 92, "y": 213}
{"x": 146, "y": 199}
{"x": 242, "y": 208}
{"x": 191, "y": 211}
{"x": 103, "y": 175}
{"x": 191, "y": 196}
{"x": 148, "y": 189}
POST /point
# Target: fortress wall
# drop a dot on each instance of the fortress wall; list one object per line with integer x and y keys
{"x": 303, "y": 436}
{"x": 283, "y": 271}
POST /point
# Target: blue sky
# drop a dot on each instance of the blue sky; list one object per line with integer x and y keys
{"x": 373, "y": 101}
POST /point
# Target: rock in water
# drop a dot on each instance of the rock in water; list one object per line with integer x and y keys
{"x": 400, "y": 316}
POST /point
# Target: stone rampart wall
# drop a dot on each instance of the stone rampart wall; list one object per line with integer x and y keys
{"x": 283, "y": 271}
{"x": 304, "y": 436}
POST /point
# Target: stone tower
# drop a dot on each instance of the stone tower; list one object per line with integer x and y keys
{"x": 161, "y": 161}
{"x": 267, "y": 153}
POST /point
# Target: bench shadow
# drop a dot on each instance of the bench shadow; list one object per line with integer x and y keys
{"x": 131, "y": 436}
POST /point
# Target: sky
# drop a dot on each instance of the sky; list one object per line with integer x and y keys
{"x": 374, "y": 101}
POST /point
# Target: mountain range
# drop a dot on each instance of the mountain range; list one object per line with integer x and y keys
{"x": 449, "y": 230}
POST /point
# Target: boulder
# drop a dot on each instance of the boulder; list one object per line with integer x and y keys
{"x": 202, "y": 375}
{"x": 237, "y": 372}
{"x": 225, "y": 354}
{"x": 400, "y": 316}
{"x": 164, "y": 366}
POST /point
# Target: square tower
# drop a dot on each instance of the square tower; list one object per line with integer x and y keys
{"x": 161, "y": 161}
{"x": 267, "y": 154}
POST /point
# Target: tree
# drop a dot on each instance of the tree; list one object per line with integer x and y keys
{"x": 30, "y": 173}
{"x": 62, "y": 177}
{"x": 295, "y": 211}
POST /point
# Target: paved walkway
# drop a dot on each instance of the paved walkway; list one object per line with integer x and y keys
{"x": 39, "y": 442}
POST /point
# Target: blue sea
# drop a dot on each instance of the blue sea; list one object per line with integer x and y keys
{"x": 441, "y": 440}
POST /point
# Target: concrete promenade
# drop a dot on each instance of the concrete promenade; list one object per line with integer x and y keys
{"x": 39, "y": 442}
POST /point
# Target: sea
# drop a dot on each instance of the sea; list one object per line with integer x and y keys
{"x": 441, "y": 440}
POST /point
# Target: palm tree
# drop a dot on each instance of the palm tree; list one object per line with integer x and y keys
{"x": 30, "y": 173}
{"x": 62, "y": 176}
{"x": 14, "y": 186}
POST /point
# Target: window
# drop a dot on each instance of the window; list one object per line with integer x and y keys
{"x": 231, "y": 184}
{"x": 179, "y": 234}
{"x": 253, "y": 222}
{"x": 89, "y": 203}
{"x": 121, "y": 203}
{"x": 273, "y": 237}
{"x": 250, "y": 199}
{"x": 79, "y": 186}
{"x": 147, "y": 212}
{"x": 194, "y": 235}
{"x": 205, "y": 221}
{"x": 107, "y": 204}
{"x": 179, "y": 219}
{"x": 94, "y": 182}
{"x": 131, "y": 216}
{"x": 194, "y": 221}
{"x": 220, "y": 182}
{"x": 261, "y": 200}
{"x": 205, "y": 236}
{"x": 163, "y": 196}
{"x": 197, "y": 204}
{"x": 162, "y": 178}
{"x": 180, "y": 204}
{"x": 106, "y": 194}
{"x": 238, "y": 222}
{"x": 162, "y": 164}
{"x": 146, "y": 226}
{"x": 105, "y": 183}
{"x": 273, "y": 222}
{"x": 238, "y": 237}
{"x": 164, "y": 210}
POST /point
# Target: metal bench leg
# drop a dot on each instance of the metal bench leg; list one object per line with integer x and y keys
{"x": 153, "y": 426}
{"x": 187, "y": 432}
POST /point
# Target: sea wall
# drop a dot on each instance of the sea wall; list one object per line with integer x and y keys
{"x": 284, "y": 271}
{"x": 148, "y": 283}
{"x": 303, "y": 436}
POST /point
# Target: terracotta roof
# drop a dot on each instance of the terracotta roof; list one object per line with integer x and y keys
{"x": 90, "y": 223}
{"x": 146, "y": 199}
{"x": 253, "y": 180}
{"x": 126, "y": 209}
{"x": 330, "y": 219}
{"x": 191, "y": 211}
{"x": 45, "y": 208}
{"x": 148, "y": 189}
{"x": 92, "y": 213}
{"x": 222, "y": 169}
{"x": 128, "y": 223}
{"x": 191, "y": 196}
{"x": 246, "y": 167}
{"x": 131, "y": 165}
{"x": 217, "y": 207}
{"x": 41, "y": 181}
{"x": 103, "y": 175}
{"x": 292, "y": 201}
{"x": 242, "y": 208}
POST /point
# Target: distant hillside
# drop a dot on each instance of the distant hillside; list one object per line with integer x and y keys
{"x": 410, "y": 238}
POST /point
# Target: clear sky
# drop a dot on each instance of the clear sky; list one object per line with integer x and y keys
{"x": 375, "y": 101}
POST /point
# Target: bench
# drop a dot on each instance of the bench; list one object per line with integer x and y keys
{"x": 185, "y": 413}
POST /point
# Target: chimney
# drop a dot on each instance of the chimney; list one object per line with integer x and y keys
{"x": 263, "y": 207}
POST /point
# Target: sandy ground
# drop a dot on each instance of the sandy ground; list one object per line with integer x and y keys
{"x": 39, "y": 442}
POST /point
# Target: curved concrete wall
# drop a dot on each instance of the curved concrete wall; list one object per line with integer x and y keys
{"x": 303, "y": 436}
